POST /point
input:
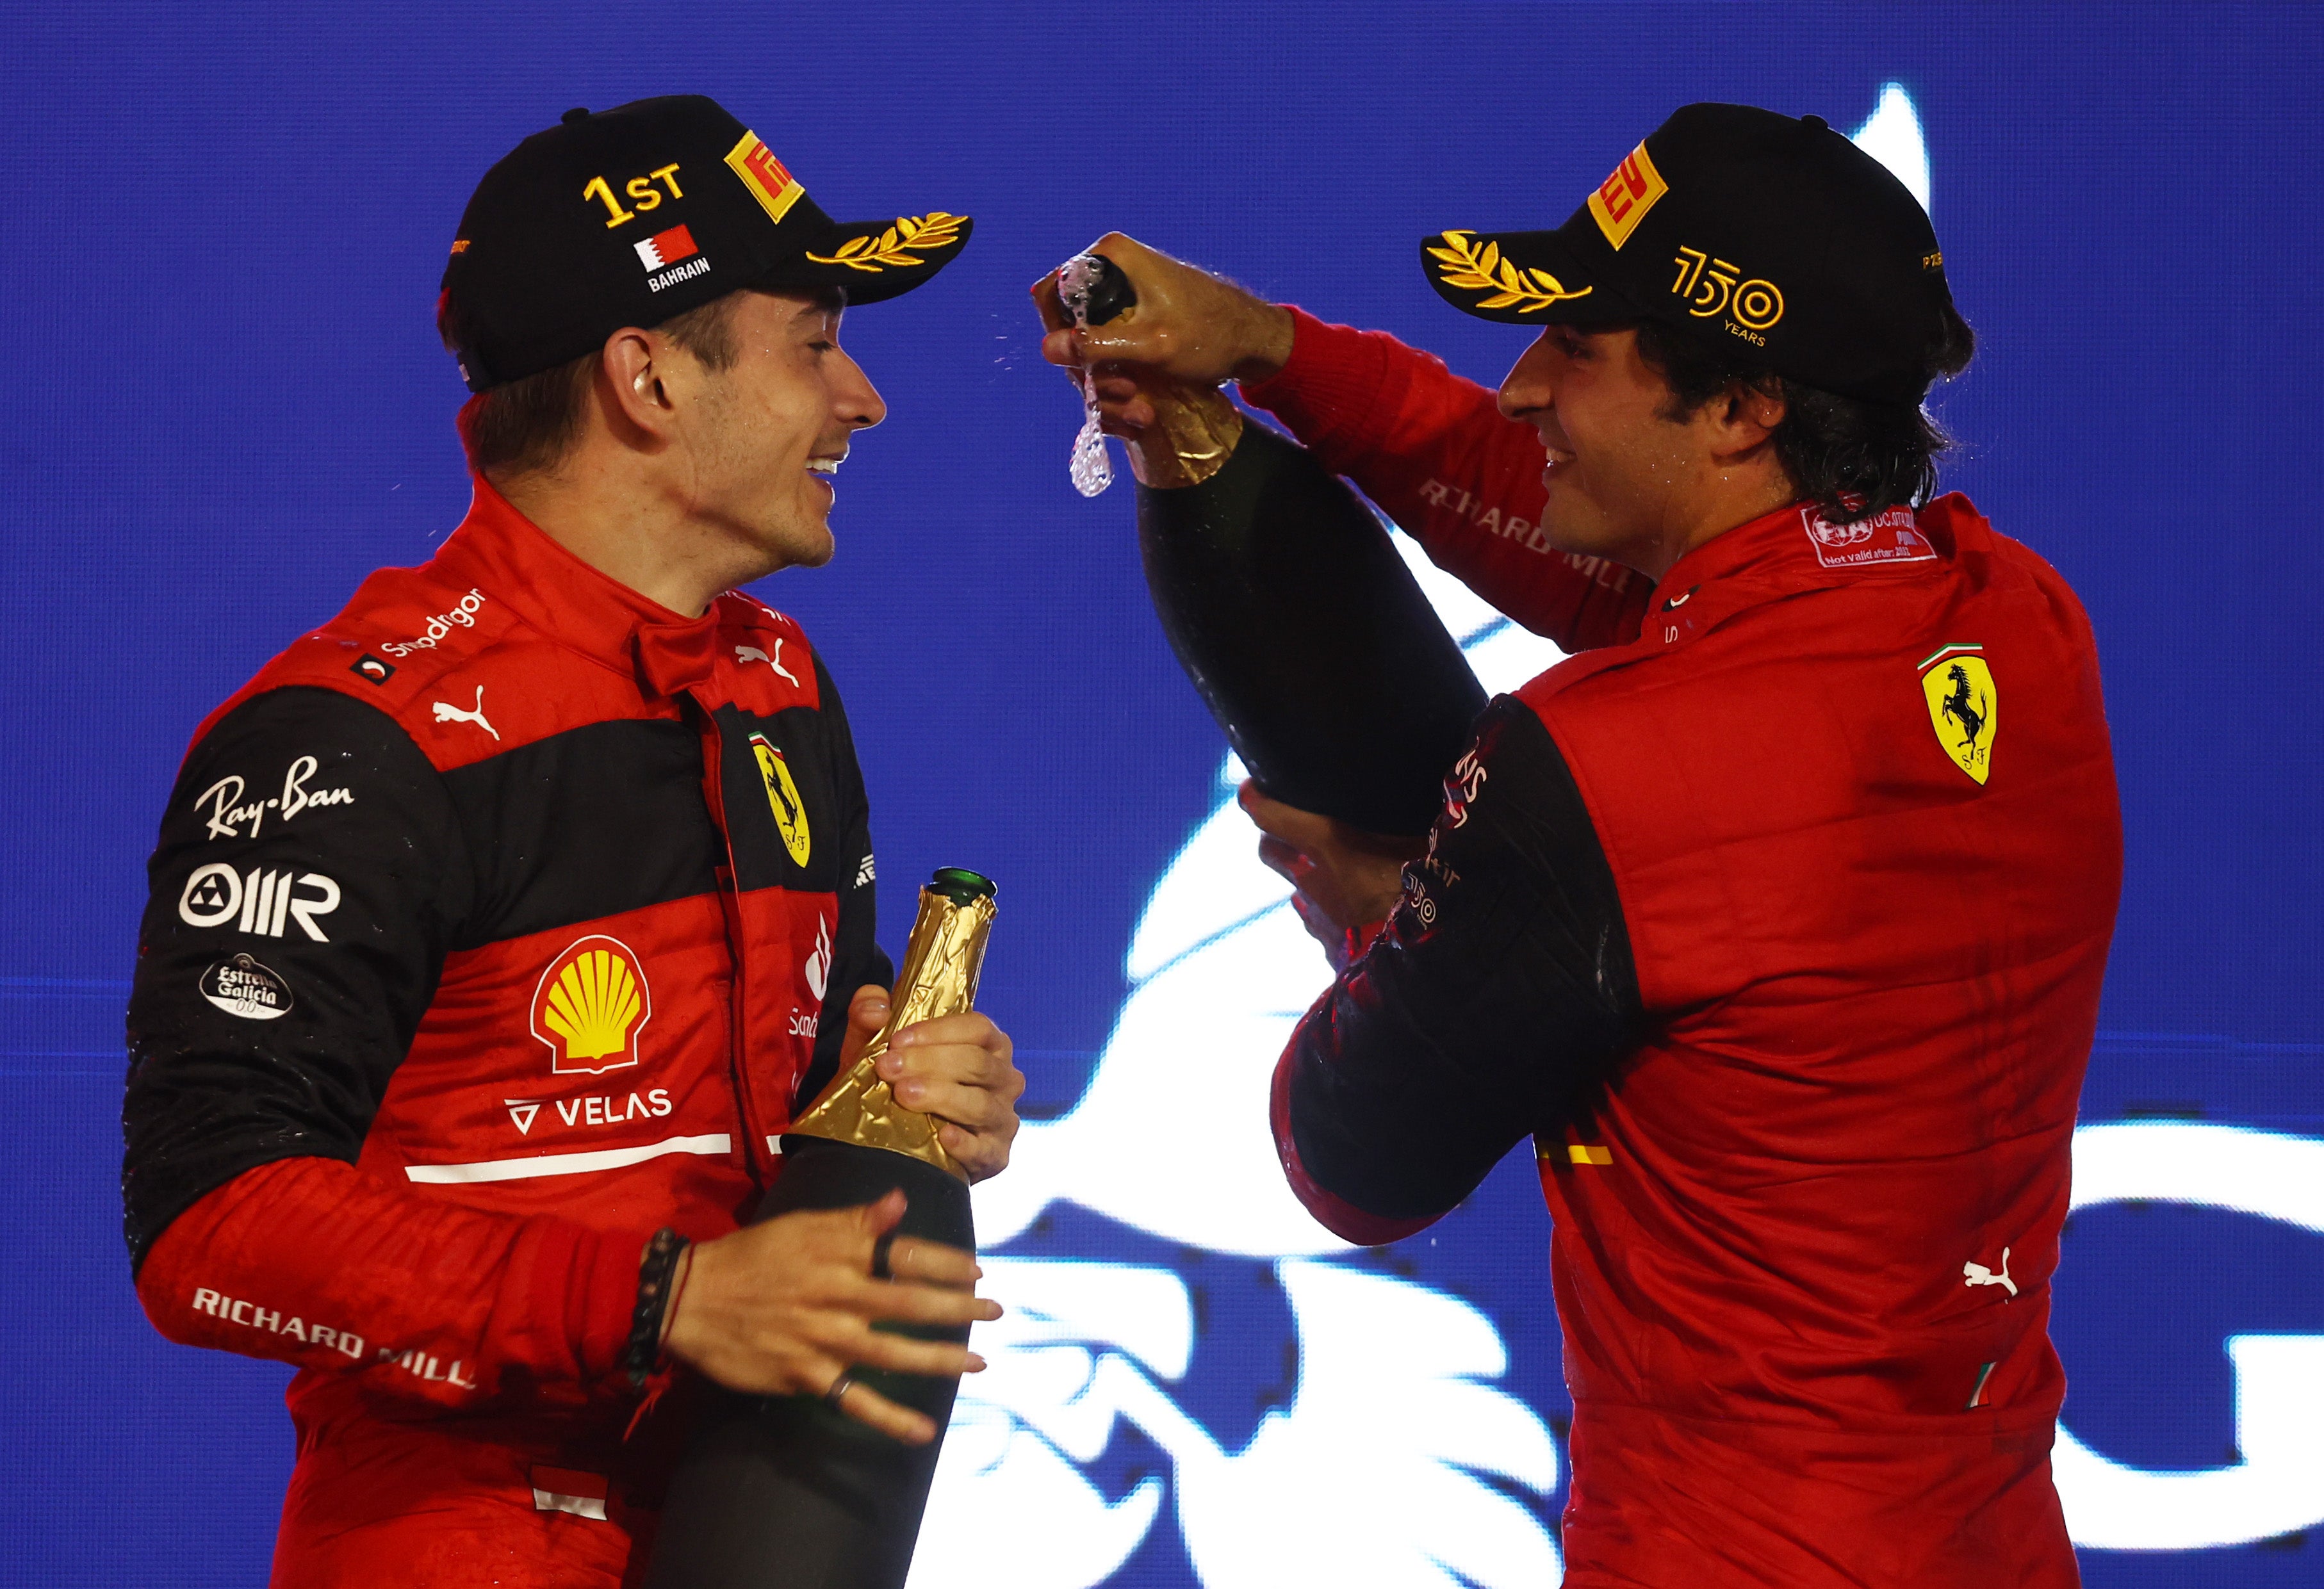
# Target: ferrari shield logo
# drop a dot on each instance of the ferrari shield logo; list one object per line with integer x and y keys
{"x": 783, "y": 797}
{"x": 1963, "y": 706}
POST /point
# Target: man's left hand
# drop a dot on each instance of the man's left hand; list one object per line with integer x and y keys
{"x": 959, "y": 1068}
{"x": 1344, "y": 877}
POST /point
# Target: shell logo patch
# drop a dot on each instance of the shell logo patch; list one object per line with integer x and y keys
{"x": 1964, "y": 706}
{"x": 783, "y": 798}
{"x": 592, "y": 1003}
{"x": 1623, "y": 199}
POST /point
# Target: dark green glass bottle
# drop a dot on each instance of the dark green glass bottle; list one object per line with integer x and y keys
{"x": 788, "y": 1489}
{"x": 1289, "y": 608}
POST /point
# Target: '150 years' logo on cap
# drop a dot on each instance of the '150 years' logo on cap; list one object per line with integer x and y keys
{"x": 1963, "y": 706}
{"x": 592, "y": 1003}
{"x": 782, "y": 797}
{"x": 1712, "y": 286}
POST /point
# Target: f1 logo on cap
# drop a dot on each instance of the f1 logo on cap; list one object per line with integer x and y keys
{"x": 1623, "y": 199}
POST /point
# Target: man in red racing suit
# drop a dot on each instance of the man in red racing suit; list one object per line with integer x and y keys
{"x": 1778, "y": 937}
{"x": 505, "y": 919}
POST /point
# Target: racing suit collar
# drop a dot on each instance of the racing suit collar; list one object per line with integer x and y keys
{"x": 1756, "y": 547}
{"x": 499, "y": 550}
{"x": 1780, "y": 552}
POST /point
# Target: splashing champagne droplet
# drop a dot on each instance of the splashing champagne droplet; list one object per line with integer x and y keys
{"x": 1090, "y": 469}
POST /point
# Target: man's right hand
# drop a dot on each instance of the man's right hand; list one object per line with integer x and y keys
{"x": 1190, "y": 326}
{"x": 786, "y": 1307}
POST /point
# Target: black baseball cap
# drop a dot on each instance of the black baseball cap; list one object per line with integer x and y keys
{"x": 1774, "y": 239}
{"x": 633, "y": 216}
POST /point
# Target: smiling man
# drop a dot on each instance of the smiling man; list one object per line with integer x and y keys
{"x": 1777, "y": 935}
{"x": 500, "y": 925}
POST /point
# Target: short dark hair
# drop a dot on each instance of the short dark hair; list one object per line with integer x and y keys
{"x": 530, "y": 424}
{"x": 1853, "y": 457}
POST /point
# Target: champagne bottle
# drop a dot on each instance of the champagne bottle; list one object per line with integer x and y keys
{"x": 1288, "y": 605}
{"x": 787, "y": 1489}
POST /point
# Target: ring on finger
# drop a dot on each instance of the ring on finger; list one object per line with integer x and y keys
{"x": 882, "y": 1249}
{"x": 839, "y": 1389}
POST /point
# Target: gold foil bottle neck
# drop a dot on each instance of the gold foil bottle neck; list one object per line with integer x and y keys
{"x": 942, "y": 964}
{"x": 1195, "y": 428}
{"x": 1193, "y": 434}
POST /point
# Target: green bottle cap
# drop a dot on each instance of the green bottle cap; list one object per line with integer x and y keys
{"x": 960, "y": 885}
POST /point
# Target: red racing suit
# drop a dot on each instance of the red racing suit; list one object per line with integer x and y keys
{"x": 492, "y": 929}
{"x": 1783, "y": 941}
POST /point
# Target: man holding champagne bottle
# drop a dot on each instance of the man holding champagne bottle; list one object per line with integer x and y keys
{"x": 1746, "y": 913}
{"x": 501, "y": 926}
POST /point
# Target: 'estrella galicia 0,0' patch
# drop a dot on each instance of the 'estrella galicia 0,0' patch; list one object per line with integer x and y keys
{"x": 242, "y": 987}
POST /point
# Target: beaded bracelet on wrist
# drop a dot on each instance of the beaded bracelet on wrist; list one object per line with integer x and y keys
{"x": 654, "y": 1272}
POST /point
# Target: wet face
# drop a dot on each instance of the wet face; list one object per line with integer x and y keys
{"x": 1621, "y": 475}
{"x": 767, "y": 434}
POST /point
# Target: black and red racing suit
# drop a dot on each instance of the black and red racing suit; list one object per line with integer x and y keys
{"x": 492, "y": 929}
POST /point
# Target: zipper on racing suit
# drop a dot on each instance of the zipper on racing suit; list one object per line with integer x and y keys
{"x": 756, "y": 1157}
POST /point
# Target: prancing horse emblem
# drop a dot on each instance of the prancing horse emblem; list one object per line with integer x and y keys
{"x": 782, "y": 798}
{"x": 1963, "y": 704}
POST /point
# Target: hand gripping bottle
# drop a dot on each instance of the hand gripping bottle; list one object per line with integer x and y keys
{"x": 779, "y": 1489}
{"x": 1288, "y": 605}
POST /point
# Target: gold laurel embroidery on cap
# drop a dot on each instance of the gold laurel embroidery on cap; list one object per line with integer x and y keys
{"x": 934, "y": 230}
{"x": 1485, "y": 271}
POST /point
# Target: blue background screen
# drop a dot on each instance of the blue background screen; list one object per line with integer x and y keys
{"x": 226, "y": 227}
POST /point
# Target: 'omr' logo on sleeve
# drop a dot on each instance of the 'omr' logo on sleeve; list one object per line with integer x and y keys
{"x": 592, "y": 1003}
{"x": 770, "y": 181}
{"x": 1623, "y": 199}
{"x": 782, "y": 798}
